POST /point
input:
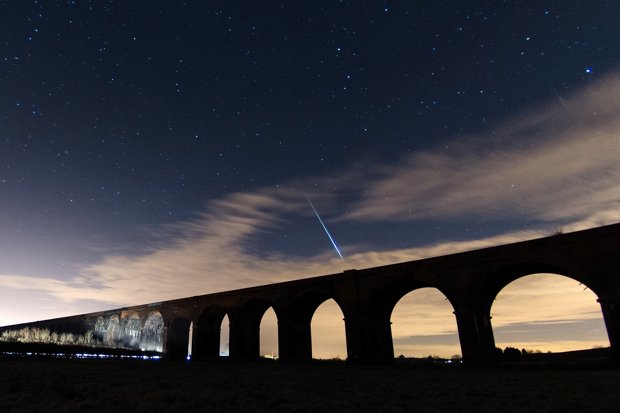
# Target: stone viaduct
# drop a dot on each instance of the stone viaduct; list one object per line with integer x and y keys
{"x": 469, "y": 280}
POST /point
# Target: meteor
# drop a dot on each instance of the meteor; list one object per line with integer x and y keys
{"x": 324, "y": 227}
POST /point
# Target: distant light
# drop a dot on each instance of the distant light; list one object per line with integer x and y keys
{"x": 588, "y": 70}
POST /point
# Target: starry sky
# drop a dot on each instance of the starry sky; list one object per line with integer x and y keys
{"x": 153, "y": 150}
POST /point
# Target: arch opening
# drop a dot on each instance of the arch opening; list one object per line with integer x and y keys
{"x": 131, "y": 329}
{"x": 225, "y": 337}
{"x": 113, "y": 331}
{"x": 547, "y": 313}
{"x": 269, "y": 334}
{"x": 328, "y": 332}
{"x": 423, "y": 324}
{"x": 151, "y": 338}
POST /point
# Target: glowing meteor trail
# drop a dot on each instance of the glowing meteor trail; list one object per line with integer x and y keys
{"x": 324, "y": 227}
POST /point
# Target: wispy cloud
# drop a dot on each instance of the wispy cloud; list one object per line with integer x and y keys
{"x": 213, "y": 259}
{"x": 556, "y": 163}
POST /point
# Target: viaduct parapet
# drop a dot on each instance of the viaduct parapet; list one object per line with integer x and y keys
{"x": 469, "y": 280}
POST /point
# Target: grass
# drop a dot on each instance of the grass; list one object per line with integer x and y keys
{"x": 162, "y": 386}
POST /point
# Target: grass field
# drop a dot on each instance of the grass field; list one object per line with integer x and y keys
{"x": 48, "y": 385}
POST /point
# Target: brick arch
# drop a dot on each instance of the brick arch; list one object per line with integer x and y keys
{"x": 152, "y": 336}
{"x": 304, "y": 305}
{"x": 383, "y": 301}
{"x": 253, "y": 310}
{"x": 207, "y": 332}
{"x": 370, "y": 326}
{"x": 294, "y": 331}
{"x": 245, "y": 328}
{"x": 131, "y": 330}
{"x": 328, "y": 333}
{"x": 588, "y": 297}
{"x": 498, "y": 280}
{"x": 445, "y": 315}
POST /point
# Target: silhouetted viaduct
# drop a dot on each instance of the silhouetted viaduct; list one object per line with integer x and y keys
{"x": 469, "y": 280}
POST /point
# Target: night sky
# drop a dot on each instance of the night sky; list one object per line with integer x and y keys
{"x": 154, "y": 150}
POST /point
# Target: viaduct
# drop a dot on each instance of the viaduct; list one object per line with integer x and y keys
{"x": 469, "y": 280}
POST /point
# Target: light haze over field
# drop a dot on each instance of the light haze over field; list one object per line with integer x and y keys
{"x": 157, "y": 151}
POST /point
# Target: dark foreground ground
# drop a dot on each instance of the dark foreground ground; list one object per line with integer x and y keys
{"x": 42, "y": 385}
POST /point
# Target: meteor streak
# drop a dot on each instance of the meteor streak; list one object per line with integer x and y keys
{"x": 324, "y": 227}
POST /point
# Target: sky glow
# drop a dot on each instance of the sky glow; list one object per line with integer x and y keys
{"x": 155, "y": 151}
